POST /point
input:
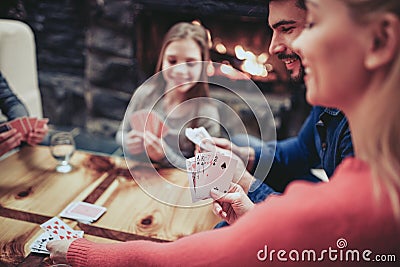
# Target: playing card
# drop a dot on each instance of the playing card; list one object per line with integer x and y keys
{"x": 144, "y": 120}
{"x": 59, "y": 228}
{"x": 320, "y": 174}
{"x": 197, "y": 135}
{"x": 192, "y": 176}
{"x": 220, "y": 172}
{"x": 40, "y": 123}
{"x": 18, "y": 125}
{"x": 83, "y": 211}
{"x": 4, "y": 128}
{"x": 159, "y": 128}
{"x": 39, "y": 245}
{"x": 32, "y": 123}
{"x": 55, "y": 229}
{"x": 212, "y": 171}
{"x": 27, "y": 125}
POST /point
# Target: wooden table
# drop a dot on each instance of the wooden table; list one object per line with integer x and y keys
{"x": 31, "y": 192}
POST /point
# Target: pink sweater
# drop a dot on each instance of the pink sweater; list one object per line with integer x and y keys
{"x": 330, "y": 222}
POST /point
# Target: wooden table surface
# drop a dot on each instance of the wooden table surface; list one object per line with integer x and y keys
{"x": 31, "y": 192}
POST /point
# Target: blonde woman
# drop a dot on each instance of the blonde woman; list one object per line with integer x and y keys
{"x": 351, "y": 53}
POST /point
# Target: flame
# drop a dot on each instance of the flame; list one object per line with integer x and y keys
{"x": 220, "y": 48}
{"x": 251, "y": 63}
{"x": 227, "y": 70}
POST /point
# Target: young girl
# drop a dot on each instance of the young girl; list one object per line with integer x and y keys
{"x": 352, "y": 61}
{"x": 178, "y": 93}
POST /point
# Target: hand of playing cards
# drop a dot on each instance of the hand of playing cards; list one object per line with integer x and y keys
{"x": 55, "y": 229}
{"x": 148, "y": 121}
{"x": 209, "y": 170}
{"x": 24, "y": 125}
{"x": 83, "y": 212}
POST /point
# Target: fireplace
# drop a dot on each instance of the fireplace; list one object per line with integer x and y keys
{"x": 240, "y": 39}
{"x": 95, "y": 53}
{"x": 239, "y": 33}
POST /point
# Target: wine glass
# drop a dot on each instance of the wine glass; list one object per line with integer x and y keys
{"x": 62, "y": 147}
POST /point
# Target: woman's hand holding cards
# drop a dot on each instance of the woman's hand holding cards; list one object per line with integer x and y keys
{"x": 36, "y": 136}
{"x": 58, "y": 250}
{"x": 232, "y": 205}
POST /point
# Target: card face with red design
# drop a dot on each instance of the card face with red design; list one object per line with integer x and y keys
{"x": 83, "y": 211}
{"x": 55, "y": 229}
{"x": 59, "y": 228}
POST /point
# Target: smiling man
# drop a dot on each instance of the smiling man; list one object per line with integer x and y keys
{"x": 287, "y": 19}
{"x": 324, "y": 139}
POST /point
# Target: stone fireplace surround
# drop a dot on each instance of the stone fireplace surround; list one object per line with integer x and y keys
{"x": 93, "y": 54}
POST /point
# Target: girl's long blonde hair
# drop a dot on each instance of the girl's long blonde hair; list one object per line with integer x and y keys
{"x": 381, "y": 145}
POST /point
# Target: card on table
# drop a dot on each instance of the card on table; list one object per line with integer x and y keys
{"x": 197, "y": 135}
{"x": 212, "y": 170}
{"x": 144, "y": 120}
{"x": 83, "y": 211}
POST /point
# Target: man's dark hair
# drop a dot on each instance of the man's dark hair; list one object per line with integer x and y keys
{"x": 299, "y": 3}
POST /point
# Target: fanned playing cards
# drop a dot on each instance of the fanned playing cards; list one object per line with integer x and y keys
{"x": 54, "y": 229}
{"x": 24, "y": 125}
{"x": 148, "y": 121}
{"x": 208, "y": 171}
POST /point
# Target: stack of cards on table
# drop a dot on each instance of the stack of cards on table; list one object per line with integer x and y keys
{"x": 55, "y": 229}
{"x": 209, "y": 170}
{"x": 148, "y": 121}
{"x": 83, "y": 212}
{"x": 197, "y": 136}
{"x": 24, "y": 125}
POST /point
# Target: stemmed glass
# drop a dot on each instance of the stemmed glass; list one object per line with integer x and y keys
{"x": 62, "y": 147}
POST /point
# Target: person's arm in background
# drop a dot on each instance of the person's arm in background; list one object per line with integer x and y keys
{"x": 293, "y": 157}
{"x": 10, "y": 104}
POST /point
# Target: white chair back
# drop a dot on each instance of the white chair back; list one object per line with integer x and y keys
{"x": 18, "y": 63}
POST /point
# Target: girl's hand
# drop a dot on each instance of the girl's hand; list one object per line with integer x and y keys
{"x": 153, "y": 146}
{"x": 134, "y": 142}
{"x": 37, "y": 136}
